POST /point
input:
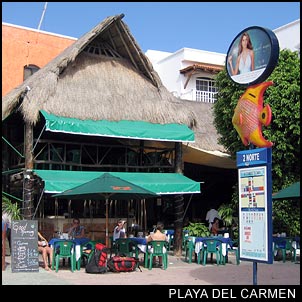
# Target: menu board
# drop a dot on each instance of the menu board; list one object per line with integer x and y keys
{"x": 24, "y": 246}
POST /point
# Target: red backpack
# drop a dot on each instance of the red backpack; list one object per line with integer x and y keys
{"x": 98, "y": 262}
{"x": 103, "y": 255}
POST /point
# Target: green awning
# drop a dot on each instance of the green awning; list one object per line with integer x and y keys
{"x": 121, "y": 129}
{"x": 57, "y": 181}
{"x": 291, "y": 192}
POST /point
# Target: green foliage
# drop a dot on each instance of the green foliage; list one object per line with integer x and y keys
{"x": 11, "y": 208}
{"x": 286, "y": 217}
{"x": 284, "y": 130}
{"x": 197, "y": 229}
{"x": 226, "y": 213}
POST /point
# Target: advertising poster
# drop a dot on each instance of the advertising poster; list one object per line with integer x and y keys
{"x": 252, "y": 56}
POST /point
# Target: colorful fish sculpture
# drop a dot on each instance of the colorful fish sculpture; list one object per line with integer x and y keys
{"x": 250, "y": 115}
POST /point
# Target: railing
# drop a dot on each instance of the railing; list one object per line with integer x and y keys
{"x": 205, "y": 96}
{"x": 200, "y": 96}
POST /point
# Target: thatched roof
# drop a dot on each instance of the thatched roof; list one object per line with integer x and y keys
{"x": 105, "y": 75}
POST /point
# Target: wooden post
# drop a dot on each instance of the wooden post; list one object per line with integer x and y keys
{"x": 28, "y": 180}
{"x": 107, "y": 223}
{"x": 178, "y": 204}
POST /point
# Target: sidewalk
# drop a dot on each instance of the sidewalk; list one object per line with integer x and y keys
{"x": 179, "y": 272}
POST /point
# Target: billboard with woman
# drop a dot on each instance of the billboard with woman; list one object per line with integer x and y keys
{"x": 252, "y": 56}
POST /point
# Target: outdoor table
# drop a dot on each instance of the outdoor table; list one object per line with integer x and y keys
{"x": 140, "y": 243}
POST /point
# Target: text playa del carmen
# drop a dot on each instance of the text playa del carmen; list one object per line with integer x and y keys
{"x": 228, "y": 293}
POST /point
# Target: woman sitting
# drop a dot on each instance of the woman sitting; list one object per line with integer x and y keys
{"x": 45, "y": 250}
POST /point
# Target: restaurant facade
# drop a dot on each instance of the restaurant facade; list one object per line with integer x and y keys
{"x": 99, "y": 106}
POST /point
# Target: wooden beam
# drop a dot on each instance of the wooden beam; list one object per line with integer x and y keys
{"x": 189, "y": 77}
{"x": 127, "y": 48}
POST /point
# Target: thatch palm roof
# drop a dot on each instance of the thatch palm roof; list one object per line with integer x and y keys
{"x": 105, "y": 75}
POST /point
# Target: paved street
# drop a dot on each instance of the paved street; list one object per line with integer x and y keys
{"x": 179, "y": 272}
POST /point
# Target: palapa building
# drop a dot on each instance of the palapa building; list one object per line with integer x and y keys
{"x": 98, "y": 107}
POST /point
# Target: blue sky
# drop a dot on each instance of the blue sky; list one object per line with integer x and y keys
{"x": 165, "y": 26}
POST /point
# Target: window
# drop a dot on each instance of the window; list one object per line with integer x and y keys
{"x": 205, "y": 90}
{"x": 29, "y": 70}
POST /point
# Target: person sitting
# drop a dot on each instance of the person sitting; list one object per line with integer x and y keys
{"x": 215, "y": 227}
{"x": 158, "y": 235}
{"x": 76, "y": 230}
{"x": 211, "y": 214}
{"x": 119, "y": 231}
{"x": 46, "y": 251}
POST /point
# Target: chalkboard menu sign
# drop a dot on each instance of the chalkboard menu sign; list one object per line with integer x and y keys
{"x": 24, "y": 245}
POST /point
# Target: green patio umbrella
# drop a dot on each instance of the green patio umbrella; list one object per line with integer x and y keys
{"x": 107, "y": 187}
{"x": 291, "y": 192}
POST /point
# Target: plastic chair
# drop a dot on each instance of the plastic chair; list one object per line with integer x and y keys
{"x": 170, "y": 239}
{"x": 185, "y": 234}
{"x": 211, "y": 246}
{"x": 233, "y": 249}
{"x": 295, "y": 248}
{"x": 64, "y": 249}
{"x": 87, "y": 250}
{"x": 156, "y": 248}
{"x": 126, "y": 247}
{"x": 283, "y": 244}
{"x": 190, "y": 248}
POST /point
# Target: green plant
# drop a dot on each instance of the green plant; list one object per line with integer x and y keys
{"x": 11, "y": 208}
{"x": 197, "y": 229}
{"x": 226, "y": 213}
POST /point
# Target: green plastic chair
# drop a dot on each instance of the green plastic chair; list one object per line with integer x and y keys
{"x": 190, "y": 248}
{"x": 185, "y": 234}
{"x": 126, "y": 247}
{"x": 283, "y": 244}
{"x": 156, "y": 248}
{"x": 234, "y": 249}
{"x": 297, "y": 247}
{"x": 212, "y": 246}
{"x": 64, "y": 249}
{"x": 87, "y": 251}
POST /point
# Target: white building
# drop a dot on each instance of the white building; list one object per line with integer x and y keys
{"x": 190, "y": 73}
{"x": 289, "y": 36}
